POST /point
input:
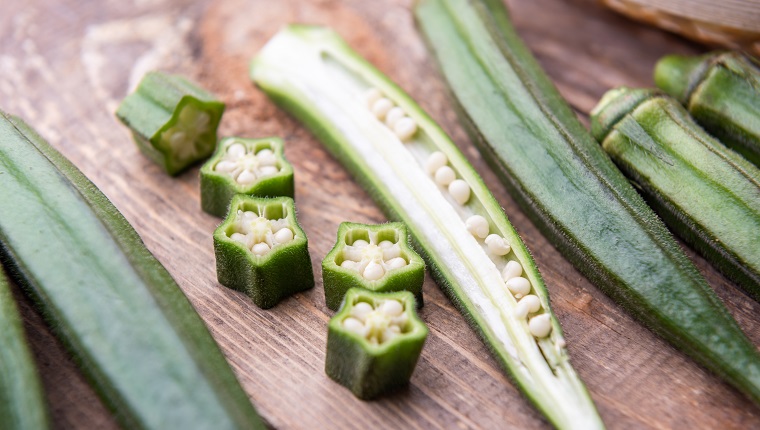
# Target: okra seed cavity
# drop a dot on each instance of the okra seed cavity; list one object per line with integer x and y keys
{"x": 527, "y": 305}
{"x": 435, "y": 161}
{"x": 393, "y": 116}
{"x": 540, "y": 325}
{"x": 372, "y": 95}
{"x": 511, "y": 270}
{"x": 497, "y": 245}
{"x": 379, "y": 323}
{"x": 372, "y": 260}
{"x": 260, "y": 234}
{"x": 246, "y": 166}
{"x": 381, "y": 107}
{"x": 519, "y": 286}
{"x": 477, "y": 226}
{"x": 445, "y": 175}
{"x": 460, "y": 191}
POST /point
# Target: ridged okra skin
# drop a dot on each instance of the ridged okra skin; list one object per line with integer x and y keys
{"x": 375, "y": 268}
{"x": 706, "y": 193}
{"x": 366, "y": 367}
{"x": 418, "y": 176}
{"x": 22, "y": 404}
{"x": 274, "y": 273}
{"x": 572, "y": 191}
{"x": 256, "y": 167}
{"x": 173, "y": 120}
{"x": 721, "y": 90}
{"x": 134, "y": 334}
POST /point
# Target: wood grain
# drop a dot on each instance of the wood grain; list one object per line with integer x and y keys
{"x": 65, "y": 65}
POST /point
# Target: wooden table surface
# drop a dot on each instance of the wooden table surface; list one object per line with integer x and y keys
{"x": 65, "y": 65}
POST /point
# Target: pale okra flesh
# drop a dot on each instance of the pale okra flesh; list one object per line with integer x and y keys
{"x": 571, "y": 190}
{"x": 418, "y": 176}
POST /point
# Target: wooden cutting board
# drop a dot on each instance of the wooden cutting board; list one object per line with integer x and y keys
{"x": 65, "y": 65}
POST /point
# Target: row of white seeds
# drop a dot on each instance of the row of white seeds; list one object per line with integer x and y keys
{"x": 540, "y": 325}
{"x": 437, "y": 167}
{"x": 393, "y": 116}
{"x": 377, "y": 324}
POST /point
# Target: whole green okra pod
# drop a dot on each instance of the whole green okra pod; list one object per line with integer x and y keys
{"x": 721, "y": 90}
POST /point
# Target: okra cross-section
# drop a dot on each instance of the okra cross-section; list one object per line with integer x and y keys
{"x": 418, "y": 176}
{"x": 374, "y": 257}
{"x": 262, "y": 251}
{"x": 374, "y": 342}
{"x": 256, "y": 167}
{"x": 173, "y": 120}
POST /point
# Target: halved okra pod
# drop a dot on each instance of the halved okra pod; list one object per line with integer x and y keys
{"x": 262, "y": 251}
{"x": 22, "y": 404}
{"x": 721, "y": 90}
{"x": 375, "y": 257}
{"x": 173, "y": 120}
{"x": 374, "y": 342}
{"x": 571, "y": 190}
{"x": 708, "y": 194}
{"x": 418, "y": 176}
{"x": 256, "y": 167}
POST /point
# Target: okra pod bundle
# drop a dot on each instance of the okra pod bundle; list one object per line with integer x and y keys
{"x": 134, "y": 334}
{"x": 706, "y": 193}
{"x": 571, "y": 190}
{"x": 417, "y": 175}
{"x": 722, "y": 92}
{"x": 22, "y": 404}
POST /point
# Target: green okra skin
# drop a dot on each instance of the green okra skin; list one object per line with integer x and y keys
{"x": 371, "y": 264}
{"x": 362, "y": 358}
{"x": 418, "y": 176}
{"x": 572, "y": 191}
{"x": 256, "y": 262}
{"x": 173, "y": 120}
{"x": 706, "y": 193}
{"x": 22, "y": 404}
{"x": 721, "y": 90}
{"x": 135, "y": 335}
{"x": 256, "y": 167}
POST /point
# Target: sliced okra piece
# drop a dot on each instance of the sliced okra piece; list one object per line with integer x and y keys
{"x": 256, "y": 167}
{"x": 705, "y": 192}
{"x": 721, "y": 90}
{"x": 419, "y": 176}
{"x": 374, "y": 342}
{"x": 173, "y": 120}
{"x": 375, "y": 257}
{"x": 262, "y": 251}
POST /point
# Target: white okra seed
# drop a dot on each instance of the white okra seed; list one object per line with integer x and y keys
{"x": 460, "y": 191}
{"x": 246, "y": 177}
{"x": 373, "y": 271}
{"x": 445, "y": 175}
{"x": 361, "y": 310}
{"x": 540, "y": 325}
{"x": 396, "y": 263}
{"x": 225, "y": 166}
{"x": 477, "y": 226}
{"x": 497, "y": 245}
{"x": 283, "y": 235}
{"x": 354, "y": 325}
{"x": 236, "y": 150}
{"x": 393, "y": 115}
{"x": 405, "y": 128}
{"x": 519, "y": 286}
{"x": 527, "y": 305}
{"x": 238, "y": 237}
{"x": 260, "y": 248}
{"x": 385, "y": 244}
{"x": 268, "y": 170}
{"x": 381, "y": 107}
{"x": 389, "y": 334}
{"x": 360, "y": 243}
{"x": 435, "y": 161}
{"x": 392, "y": 252}
{"x": 266, "y": 157}
{"x": 392, "y": 308}
{"x": 348, "y": 264}
{"x": 511, "y": 270}
{"x": 371, "y": 96}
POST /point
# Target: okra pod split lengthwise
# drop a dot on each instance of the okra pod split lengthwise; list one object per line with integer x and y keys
{"x": 135, "y": 335}
{"x": 565, "y": 182}
{"x": 418, "y": 176}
